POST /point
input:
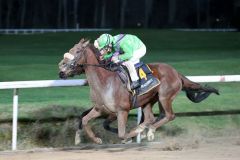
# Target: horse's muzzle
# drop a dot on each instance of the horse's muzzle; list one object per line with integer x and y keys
{"x": 62, "y": 75}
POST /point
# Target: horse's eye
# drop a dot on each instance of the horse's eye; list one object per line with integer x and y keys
{"x": 72, "y": 65}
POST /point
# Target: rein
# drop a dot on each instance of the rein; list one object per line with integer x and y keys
{"x": 94, "y": 65}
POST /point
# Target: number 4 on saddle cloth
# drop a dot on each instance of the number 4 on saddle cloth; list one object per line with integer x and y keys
{"x": 146, "y": 78}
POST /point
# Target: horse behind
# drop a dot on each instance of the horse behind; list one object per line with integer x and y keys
{"x": 111, "y": 97}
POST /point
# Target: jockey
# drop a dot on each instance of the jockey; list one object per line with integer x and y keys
{"x": 124, "y": 48}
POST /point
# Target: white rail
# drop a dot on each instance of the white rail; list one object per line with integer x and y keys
{"x": 81, "y": 82}
{"x": 41, "y": 84}
{"x": 33, "y": 84}
{"x": 223, "y": 78}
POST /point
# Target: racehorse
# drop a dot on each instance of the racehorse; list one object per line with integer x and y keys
{"x": 111, "y": 97}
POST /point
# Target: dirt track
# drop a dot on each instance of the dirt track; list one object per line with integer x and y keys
{"x": 208, "y": 149}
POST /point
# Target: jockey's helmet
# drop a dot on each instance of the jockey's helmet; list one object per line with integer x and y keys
{"x": 105, "y": 40}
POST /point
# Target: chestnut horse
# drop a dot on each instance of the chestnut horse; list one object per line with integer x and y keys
{"x": 111, "y": 97}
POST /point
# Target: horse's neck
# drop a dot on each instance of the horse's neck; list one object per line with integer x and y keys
{"x": 97, "y": 76}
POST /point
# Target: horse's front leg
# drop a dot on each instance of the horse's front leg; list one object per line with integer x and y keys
{"x": 94, "y": 113}
{"x": 122, "y": 117}
{"x": 106, "y": 124}
{"x": 78, "y": 132}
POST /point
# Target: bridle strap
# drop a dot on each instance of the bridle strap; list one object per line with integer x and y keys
{"x": 94, "y": 65}
{"x": 88, "y": 64}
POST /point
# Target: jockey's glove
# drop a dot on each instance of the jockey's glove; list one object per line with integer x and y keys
{"x": 115, "y": 59}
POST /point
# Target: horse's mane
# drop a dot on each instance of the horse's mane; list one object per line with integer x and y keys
{"x": 93, "y": 48}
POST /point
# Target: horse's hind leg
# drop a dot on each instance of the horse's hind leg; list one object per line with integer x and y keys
{"x": 94, "y": 113}
{"x": 161, "y": 112}
{"x": 169, "y": 116}
{"x": 148, "y": 119}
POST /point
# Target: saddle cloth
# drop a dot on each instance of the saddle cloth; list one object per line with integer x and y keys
{"x": 146, "y": 78}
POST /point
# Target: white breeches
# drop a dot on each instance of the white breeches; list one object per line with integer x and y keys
{"x": 134, "y": 60}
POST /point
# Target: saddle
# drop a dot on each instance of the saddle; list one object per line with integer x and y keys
{"x": 146, "y": 79}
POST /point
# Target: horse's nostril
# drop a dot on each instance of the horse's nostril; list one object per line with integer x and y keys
{"x": 62, "y": 75}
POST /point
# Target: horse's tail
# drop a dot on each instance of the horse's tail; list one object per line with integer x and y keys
{"x": 196, "y": 92}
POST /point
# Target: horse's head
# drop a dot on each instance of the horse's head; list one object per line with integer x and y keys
{"x": 72, "y": 62}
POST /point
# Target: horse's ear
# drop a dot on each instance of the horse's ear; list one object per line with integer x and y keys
{"x": 82, "y": 40}
{"x": 86, "y": 43}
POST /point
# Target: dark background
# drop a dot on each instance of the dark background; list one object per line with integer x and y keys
{"x": 119, "y": 13}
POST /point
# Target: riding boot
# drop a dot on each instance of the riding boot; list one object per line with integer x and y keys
{"x": 134, "y": 85}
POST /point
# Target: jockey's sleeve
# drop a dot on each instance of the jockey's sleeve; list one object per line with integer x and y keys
{"x": 128, "y": 52}
{"x": 107, "y": 56}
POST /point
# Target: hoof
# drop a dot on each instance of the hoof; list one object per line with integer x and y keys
{"x": 143, "y": 135}
{"x": 150, "y": 137}
{"x": 150, "y": 134}
{"x": 77, "y": 138}
{"x": 127, "y": 141}
{"x": 140, "y": 129}
{"x": 97, "y": 140}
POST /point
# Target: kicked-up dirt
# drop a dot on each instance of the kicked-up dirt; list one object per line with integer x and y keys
{"x": 222, "y": 148}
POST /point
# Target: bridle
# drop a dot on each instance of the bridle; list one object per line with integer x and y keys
{"x": 73, "y": 63}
